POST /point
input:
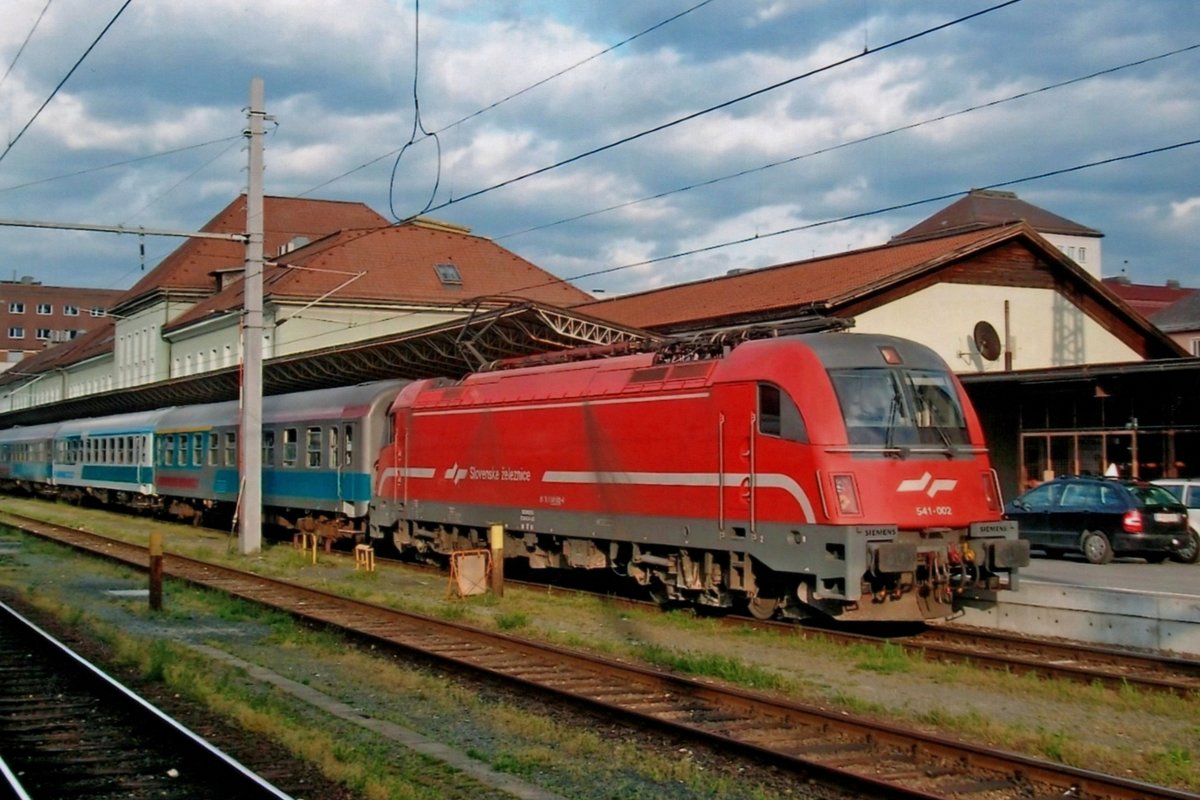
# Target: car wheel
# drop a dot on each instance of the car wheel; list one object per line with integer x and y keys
{"x": 1096, "y": 548}
{"x": 1190, "y": 552}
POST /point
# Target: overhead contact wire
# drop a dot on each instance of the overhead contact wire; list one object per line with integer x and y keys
{"x": 725, "y": 104}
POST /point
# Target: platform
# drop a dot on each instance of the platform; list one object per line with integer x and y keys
{"x": 1127, "y": 603}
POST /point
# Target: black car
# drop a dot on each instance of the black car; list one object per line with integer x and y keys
{"x": 1101, "y": 517}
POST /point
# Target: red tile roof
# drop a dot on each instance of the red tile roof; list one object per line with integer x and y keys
{"x": 1147, "y": 299}
{"x": 983, "y": 208}
{"x": 190, "y": 266}
{"x": 398, "y": 263}
{"x": 818, "y": 283}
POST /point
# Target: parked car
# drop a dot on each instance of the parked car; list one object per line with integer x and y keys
{"x": 1188, "y": 492}
{"x": 1101, "y": 517}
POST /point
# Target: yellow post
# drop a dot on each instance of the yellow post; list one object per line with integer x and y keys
{"x": 156, "y": 570}
{"x": 496, "y": 541}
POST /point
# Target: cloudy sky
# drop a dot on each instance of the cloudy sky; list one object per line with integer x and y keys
{"x": 622, "y": 145}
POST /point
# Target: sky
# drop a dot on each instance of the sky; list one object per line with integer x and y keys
{"x": 620, "y": 145}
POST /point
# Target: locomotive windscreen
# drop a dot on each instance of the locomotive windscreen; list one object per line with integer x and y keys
{"x": 894, "y": 407}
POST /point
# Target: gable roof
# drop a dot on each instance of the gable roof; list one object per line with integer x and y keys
{"x": 814, "y": 285}
{"x": 189, "y": 267}
{"x": 850, "y": 283}
{"x": 397, "y": 264}
{"x": 984, "y": 208}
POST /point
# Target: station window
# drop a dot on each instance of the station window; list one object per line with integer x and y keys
{"x": 43, "y": 334}
{"x": 16, "y": 332}
{"x": 289, "y": 447}
{"x": 268, "y": 448}
{"x": 312, "y": 446}
{"x": 230, "y": 449}
{"x": 71, "y": 311}
{"x": 16, "y": 308}
{"x": 45, "y": 309}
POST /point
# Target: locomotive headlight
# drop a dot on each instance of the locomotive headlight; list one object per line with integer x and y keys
{"x": 846, "y": 492}
{"x": 991, "y": 490}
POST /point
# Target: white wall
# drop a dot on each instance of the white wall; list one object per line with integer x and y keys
{"x": 1045, "y": 329}
{"x": 1083, "y": 250}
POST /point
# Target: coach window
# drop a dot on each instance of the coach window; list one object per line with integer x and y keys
{"x": 334, "y": 462}
{"x": 268, "y": 448}
{"x": 213, "y": 443}
{"x": 348, "y": 438}
{"x": 185, "y": 449}
{"x": 312, "y": 446}
{"x": 778, "y": 414}
{"x": 289, "y": 447}
{"x": 230, "y": 449}
{"x": 197, "y": 449}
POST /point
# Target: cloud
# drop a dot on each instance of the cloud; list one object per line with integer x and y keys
{"x": 340, "y": 86}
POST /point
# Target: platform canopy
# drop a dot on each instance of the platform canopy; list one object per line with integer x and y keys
{"x": 449, "y": 350}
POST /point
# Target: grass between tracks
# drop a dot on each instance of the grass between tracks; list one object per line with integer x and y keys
{"x": 1150, "y": 737}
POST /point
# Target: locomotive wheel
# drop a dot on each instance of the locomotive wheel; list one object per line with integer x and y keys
{"x": 761, "y": 607}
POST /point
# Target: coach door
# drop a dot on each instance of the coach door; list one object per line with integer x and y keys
{"x": 737, "y": 471}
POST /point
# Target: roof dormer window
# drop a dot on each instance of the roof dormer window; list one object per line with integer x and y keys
{"x": 448, "y": 274}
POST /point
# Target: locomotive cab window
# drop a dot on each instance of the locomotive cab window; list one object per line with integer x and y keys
{"x": 778, "y": 414}
{"x": 890, "y": 407}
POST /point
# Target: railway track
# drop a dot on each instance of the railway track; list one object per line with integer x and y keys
{"x": 1074, "y": 661}
{"x": 69, "y": 730}
{"x": 877, "y": 759}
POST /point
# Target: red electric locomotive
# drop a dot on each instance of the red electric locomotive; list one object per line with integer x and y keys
{"x": 837, "y": 473}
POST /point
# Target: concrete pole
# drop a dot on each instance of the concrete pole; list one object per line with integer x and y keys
{"x": 250, "y": 519}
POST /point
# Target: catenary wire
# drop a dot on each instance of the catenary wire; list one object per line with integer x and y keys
{"x": 719, "y": 106}
{"x": 66, "y": 78}
{"x": 124, "y": 163}
{"x": 864, "y": 214}
{"x": 515, "y": 94}
{"x": 809, "y": 226}
{"x": 28, "y": 36}
{"x": 845, "y": 144}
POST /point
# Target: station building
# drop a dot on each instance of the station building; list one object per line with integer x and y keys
{"x": 1066, "y": 375}
{"x": 348, "y": 297}
{"x": 34, "y": 317}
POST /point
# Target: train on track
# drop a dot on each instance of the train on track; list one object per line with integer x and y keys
{"x": 836, "y": 474}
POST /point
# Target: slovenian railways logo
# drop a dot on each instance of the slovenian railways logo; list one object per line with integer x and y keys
{"x": 926, "y": 484}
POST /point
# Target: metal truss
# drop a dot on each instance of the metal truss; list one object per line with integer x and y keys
{"x": 449, "y": 350}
